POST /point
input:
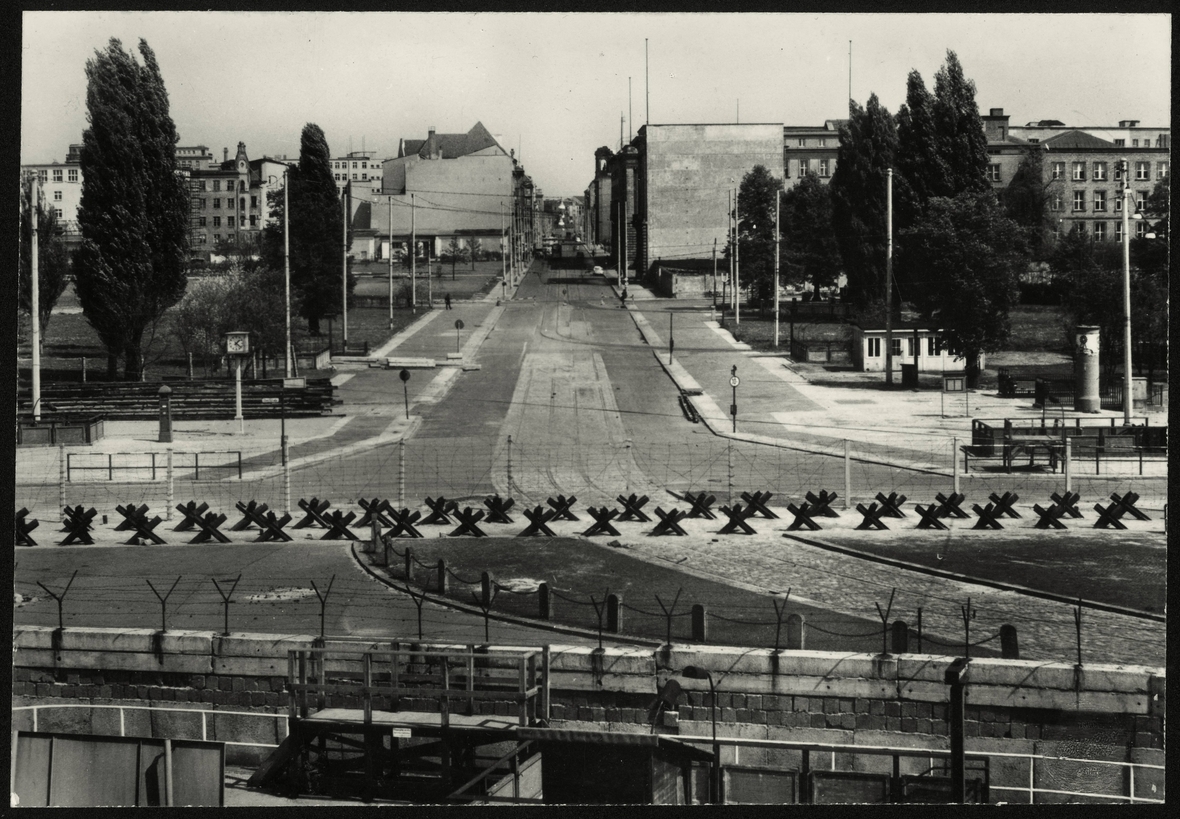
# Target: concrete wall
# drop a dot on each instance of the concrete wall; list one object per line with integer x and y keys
{"x": 1099, "y": 711}
{"x": 688, "y": 169}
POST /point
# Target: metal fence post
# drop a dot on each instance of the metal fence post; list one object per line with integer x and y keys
{"x": 509, "y": 464}
{"x": 61, "y": 477}
{"x": 955, "y": 463}
{"x": 1066, "y": 467}
{"x": 847, "y": 476}
{"x": 627, "y": 466}
{"x": 168, "y": 472}
{"x": 729, "y": 476}
{"x": 401, "y": 474}
{"x": 286, "y": 477}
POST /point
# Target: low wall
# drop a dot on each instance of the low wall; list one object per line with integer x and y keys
{"x": 235, "y": 684}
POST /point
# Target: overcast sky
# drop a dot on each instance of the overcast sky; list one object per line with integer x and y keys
{"x": 553, "y": 86}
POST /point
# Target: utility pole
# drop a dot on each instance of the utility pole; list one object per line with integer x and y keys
{"x": 429, "y": 277}
{"x": 646, "y": 87}
{"x": 413, "y": 256}
{"x": 1127, "y": 198}
{"x": 391, "y": 262}
{"x": 289, "y": 355}
{"x": 503, "y": 246}
{"x": 630, "y": 117}
{"x": 889, "y": 278}
{"x": 35, "y": 284}
{"x": 344, "y": 267}
{"x": 714, "y": 273}
{"x": 777, "y": 241}
{"x": 737, "y": 262}
{"x": 729, "y": 229}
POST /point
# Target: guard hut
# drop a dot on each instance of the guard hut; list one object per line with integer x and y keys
{"x": 913, "y": 343}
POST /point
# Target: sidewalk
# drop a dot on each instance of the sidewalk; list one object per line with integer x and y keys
{"x": 372, "y": 411}
{"x": 779, "y": 406}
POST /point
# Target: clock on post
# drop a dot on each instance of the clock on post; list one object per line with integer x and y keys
{"x": 237, "y": 342}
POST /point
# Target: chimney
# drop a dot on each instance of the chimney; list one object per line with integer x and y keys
{"x": 225, "y": 154}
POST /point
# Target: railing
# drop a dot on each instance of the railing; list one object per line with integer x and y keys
{"x": 409, "y": 673}
{"x": 148, "y": 462}
{"x": 36, "y": 709}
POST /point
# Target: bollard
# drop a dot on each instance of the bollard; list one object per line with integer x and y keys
{"x": 374, "y": 536}
{"x": 1009, "y": 647}
{"x": 795, "y": 632}
{"x": 544, "y": 602}
{"x": 169, "y": 473}
{"x": 901, "y": 637}
{"x": 61, "y": 477}
{"x": 700, "y": 624}
{"x": 165, "y": 395}
{"x": 847, "y": 476}
{"x": 614, "y": 613}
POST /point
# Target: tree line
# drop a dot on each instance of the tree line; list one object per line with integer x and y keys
{"x": 959, "y": 250}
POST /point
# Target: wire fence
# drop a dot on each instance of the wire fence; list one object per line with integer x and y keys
{"x": 469, "y": 469}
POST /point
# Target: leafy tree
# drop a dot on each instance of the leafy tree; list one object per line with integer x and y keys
{"x": 868, "y": 148}
{"x": 316, "y": 224}
{"x": 53, "y": 263}
{"x": 756, "y": 201}
{"x": 1026, "y": 200}
{"x": 972, "y": 256}
{"x": 961, "y": 138}
{"x": 457, "y": 253}
{"x": 922, "y": 172}
{"x": 134, "y": 211}
{"x": 809, "y": 251}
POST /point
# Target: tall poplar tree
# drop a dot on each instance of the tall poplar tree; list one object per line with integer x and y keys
{"x": 317, "y": 225}
{"x": 756, "y": 231}
{"x": 961, "y": 138}
{"x": 134, "y": 210}
{"x": 809, "y": 251}
{"x": 868, "y": 148}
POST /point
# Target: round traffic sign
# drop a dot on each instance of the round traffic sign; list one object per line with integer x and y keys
{"x": 404, "y": 375}
{"x": 734, "y": 381}
{"x": 458, "y": 324}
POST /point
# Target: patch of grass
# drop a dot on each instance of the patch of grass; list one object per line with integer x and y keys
{"x": 1130, "y": 571}
{"x": 758, "y": 331}
{"x": 576, "y": 570}
{"x": 1037, "y": 328}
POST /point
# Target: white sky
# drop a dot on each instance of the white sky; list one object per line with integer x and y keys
{"x": 554, "y": 85}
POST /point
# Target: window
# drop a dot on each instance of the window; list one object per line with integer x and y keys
{"x": 1058, "y": 170}
{"x": 1099, "y": 201}
{"x": 1142, "y": 171}
{"x": 1033, "y": 140}
{"x": 1055, "y": 201}
{"x": 57, "y": 212}
{"x": 1079, "y": 200}
{"x": 216, "y": 203}
{"x": 229, "y": 222}
{"x": 201, "y": 221}
{"x": 216, "y": 184}
{"x": 909, "y": 346}
{"x": 1100, "y": 231}
{"x": 364, "y": 177}
{"x": 804, "y": 167}
{"x": 57, "y": 196}
{"x": 1118, "y": 231}
{"x": 1118, "y": 204}
{"x": 1161, "y": 171}
{"x": 934, "y": 345}
{"x": 1099, "y": 171}
{"x": 42, "y": 176}
{"x": 895, "y": 347}
{"x": 73, "y": 174}
{"x": 216, "y": 237}
{"x": 823, "y": 168}
{"x": 1134, "y": 143}
{"x": 1120, "y": 143}
{"x": 1079, "y": 171}
{"x": 993, "y": 173}
{"x": 56, "y": 175}
{"x": 216, "y": 221}
{"x": 242, "y": 203}
{"x": 1140, "y": 229}
{"x": 802, "y": 142}
{"x": 253, "y": 220}
{"x": 202, "y": 238}
{"x": 354, "y": 166}
{"x": 203, "y": 202}
{"x": 874, "y": 347}
{"x": 354, "y": 175}
{"x": 364, "y": 164}
{"x": 1081, "y": 228}
{"x": 229, "y": 202}
{"x": 253, "y": 202}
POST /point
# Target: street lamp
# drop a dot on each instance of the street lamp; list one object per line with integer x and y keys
{"x": 1128, "y": 199}
{"x": 693, "y": 672}
{"x": 286, "y": 269}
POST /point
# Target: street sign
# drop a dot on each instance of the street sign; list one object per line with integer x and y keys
{"x": 270, "y": 400}
{"x": 294, "y": 383}
{"x": 734, "y": 381}
{"x": 404, "y": 375}
{"x": 733, "y": 409}
{"x": 458, "y": 324}
{"x": 954, "y": 383}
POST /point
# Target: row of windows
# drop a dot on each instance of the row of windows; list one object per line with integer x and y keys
{"x": 1100, "y": 232}
{"x": 57, "y": 175}
{"x": 229, "y": 221}
{"x": 203, "y": 185}
{"x": 1057, "y": 201}
{"x": 826, "y": 166}
{"x": 933, "y": 346}
{"x": 229, "y": 203}
{"x": 820, "y": 142}
{"x": 343, "y": 177}
{"x": 344, "y": 165}
{"x": 1078, "y": 171}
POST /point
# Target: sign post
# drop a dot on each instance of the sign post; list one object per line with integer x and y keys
{"x": 733, "y": 382}
{"x": 458, "y": 328}
{"x": 237, "y": 346}
{"x": 952, "y": 382}
{"x": 404, "y": 375}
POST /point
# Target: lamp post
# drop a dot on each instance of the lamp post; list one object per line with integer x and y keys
{"x": 1128, "y": 197}
{"x": 693, "y": 672}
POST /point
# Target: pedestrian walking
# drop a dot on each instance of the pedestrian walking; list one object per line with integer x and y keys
{"x": 447, "y": 299}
